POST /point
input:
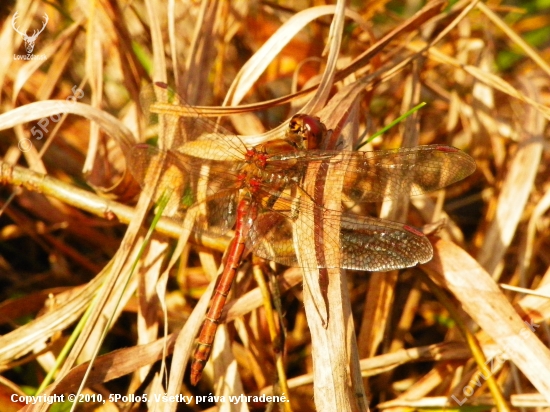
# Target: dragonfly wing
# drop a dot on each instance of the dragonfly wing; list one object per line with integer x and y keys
{"x": 365, "y": 243}
{"x": 207, "y": 188}
{"x": 158, "y": 173}
{"x": 372, "y": 176}
{"x": 217, "y": 214}
{"x": 372, "y": 244}
{"x": 378, "y": 245}
{"x": 187, "y": 130}
{"x": 386, "y": 174}
{"x": 271, "y": 237}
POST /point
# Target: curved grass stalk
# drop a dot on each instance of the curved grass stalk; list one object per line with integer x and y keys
{"x": 161, "y": 206}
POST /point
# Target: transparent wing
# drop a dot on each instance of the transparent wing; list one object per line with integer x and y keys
{"x": 365, "y": 243}
{"x": 387, "y": 174}
{"x": 184, "y": 130}
{"x": 190, "y": 182}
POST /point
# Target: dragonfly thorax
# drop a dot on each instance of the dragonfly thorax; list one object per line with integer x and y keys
{"x": 270, "y": 165}
{"x": 253, "y": 177}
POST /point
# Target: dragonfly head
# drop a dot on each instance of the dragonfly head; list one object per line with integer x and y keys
{"x": 305, "y": 131}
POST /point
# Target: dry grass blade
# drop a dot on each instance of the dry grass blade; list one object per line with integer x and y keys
{"x": 34, "y": 335}
{"x": 114, "y": 365}
{"x": 485, "y": 303}
{"x": 94, "y": 204}
{"x": 543, "y": 64}
{"x": 515, "y": 190}
{"x": 486, "y": 77}
{"x": 254, "y": 68}
{"x": 383, "y": 363}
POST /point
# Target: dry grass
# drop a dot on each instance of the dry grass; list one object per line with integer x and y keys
{"x": 467, "y": 330}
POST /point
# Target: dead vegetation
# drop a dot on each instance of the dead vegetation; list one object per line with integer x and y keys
{"x": 468, "y": 329}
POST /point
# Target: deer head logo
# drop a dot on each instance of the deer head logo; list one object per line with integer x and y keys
{"x": 29, "y": 40}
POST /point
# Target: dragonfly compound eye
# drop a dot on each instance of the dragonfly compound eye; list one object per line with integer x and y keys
{"x": 314, "y": 131}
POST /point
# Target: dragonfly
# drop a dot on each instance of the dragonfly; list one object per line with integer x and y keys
{"x": 260, "y": 192}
